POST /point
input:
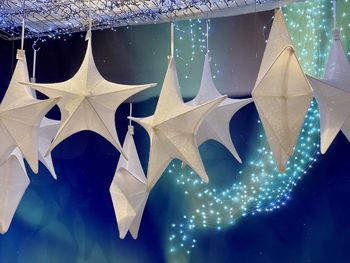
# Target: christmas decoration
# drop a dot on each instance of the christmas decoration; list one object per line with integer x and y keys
{"x": 129, "y": 189}
{"x": 216, "y": 126}
{"x": 172, "y": 129}
{"x": 88, "y": 101}
{"x": 282, "y": 93}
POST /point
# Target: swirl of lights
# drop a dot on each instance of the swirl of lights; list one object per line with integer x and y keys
{"x": 262, "y": 188}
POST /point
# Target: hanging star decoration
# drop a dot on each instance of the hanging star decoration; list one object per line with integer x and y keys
{"x": 333, "y": 95}
{"x": 20, "y": 116}
{"x": 172, "y": 129}
{"x": 216, "y": 125}
{"x": 13, "y": 183}
{"x": 129, "y": 189}
{"x": 88, "y": 101}
{"x": 282, "y": 93}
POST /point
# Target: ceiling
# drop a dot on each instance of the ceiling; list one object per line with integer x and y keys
{"x": 55, "y": 17}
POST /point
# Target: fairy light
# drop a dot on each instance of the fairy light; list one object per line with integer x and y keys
{"x": 192, "y": 34}
{"x": 262, "y": 188}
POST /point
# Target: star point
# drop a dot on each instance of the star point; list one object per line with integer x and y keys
{"x": 47, "y": 131}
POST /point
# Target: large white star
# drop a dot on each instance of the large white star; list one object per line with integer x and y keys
{"x": 333, "y": 95}
{"x": 172, "y": 129}
{"x": 282, "y": 93}
{"x": 129, "y": 189}
{"x": 13, "y": 183}
{"x": 88, "y": 101}
{"x": 20, "y": 116}
{"x": 216, "y": 126}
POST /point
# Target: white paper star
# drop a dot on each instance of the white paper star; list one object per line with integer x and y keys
{"x": 282, "y": 93}
{"x": 333, "y": 95}
{"x": 172, "y": 129}
{"x": 13, "y": 183}
{"x": 20, "y": 116}
{"x": 129, "y": 189}
{"x": 216, "y": 126}
{"x": 88, "y": 101}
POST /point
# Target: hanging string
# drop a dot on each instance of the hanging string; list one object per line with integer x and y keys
{"x": 90, "y": 17}
{"x": 336, "y": 33}
{"x": 130, "y": 112}
{"x": 255, "y": 26}
{"x": 35, "y": 49}
{"x": 334, "y": 14}
{"x": 22, "y": 38}
{"x": 172, "y": 39}
{"x": 130, "y": 127}
{"x": 88, "y": 34}
{"x": 207, "y": 35}
{"x": 23, "y": 26}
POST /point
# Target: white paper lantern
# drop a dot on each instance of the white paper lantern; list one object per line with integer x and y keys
{"x": 129, "y": 189}
{"x": 282, "y": 93}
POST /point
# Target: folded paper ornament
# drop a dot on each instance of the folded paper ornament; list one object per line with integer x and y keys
{"x": 216, "y": 125}
{"x": 88, "y": 101}
{"x": 129, "y": 189}
{"x": 173, "y": 128}
{"x": 282, "y": 93}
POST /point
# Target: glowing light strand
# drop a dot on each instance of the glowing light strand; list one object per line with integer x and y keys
{"x": 262, "y": 188}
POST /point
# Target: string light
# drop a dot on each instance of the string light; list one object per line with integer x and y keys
{"x": 193, "y": 34}
{"x": 262, "y": 188}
